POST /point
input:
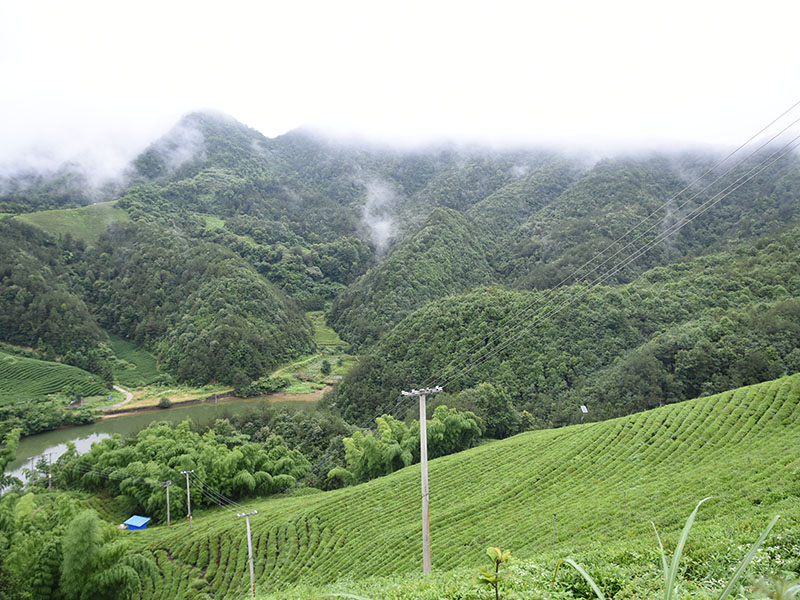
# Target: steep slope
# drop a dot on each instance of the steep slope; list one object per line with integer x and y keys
{"x": 697, "y": 327}
{"x": 539, "y": 228}
{"x": 604, "y": 480}
{"x": 40, "y": 303}
{"x": 446, "y": 256}
{"x": 204, "y": 312}
{"x": 616, "y": 195}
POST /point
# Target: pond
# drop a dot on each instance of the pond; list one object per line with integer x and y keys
{"x": 54, "y": 443}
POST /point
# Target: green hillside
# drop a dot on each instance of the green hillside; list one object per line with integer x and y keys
{"x": 677, "y": 332}
{"x": 604, "y": 481}
{"x": 136, "y": 367}
{"x": 24, "y": 378}
{"x": 87, "y": 223}
{"x": 444, "y": 257}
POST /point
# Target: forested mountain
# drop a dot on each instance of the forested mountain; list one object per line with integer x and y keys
{"x": 526, "y": 282}
{"x": 41, "y": 305}
{"x": 204, "y": 311}
{"x": 540, "y": 231}
{"x": 68, "y": 186}
{"x": 233, "y": 233}
{"x": 421, "y": 269}
{"x": 677, "y": 332}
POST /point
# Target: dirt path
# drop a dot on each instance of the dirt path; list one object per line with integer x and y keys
{"x": 128, "y": 398}
{"x": 278, "y": 397}
{"x": 312, "y": 397}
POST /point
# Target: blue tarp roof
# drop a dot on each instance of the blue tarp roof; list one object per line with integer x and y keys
{"x": 137, "y": 521}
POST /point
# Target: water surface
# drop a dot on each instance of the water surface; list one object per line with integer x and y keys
{"x": 54, "y": 443}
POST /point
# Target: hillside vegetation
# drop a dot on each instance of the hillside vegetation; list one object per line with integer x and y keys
{"x": 604, "y": 481}
{"x": 24, "y": 378}
{"x": 87, "y": 223}
{"x": 368, "y": 234}
{"x": 677, "y": 332}
{"x": 207, "y": 316}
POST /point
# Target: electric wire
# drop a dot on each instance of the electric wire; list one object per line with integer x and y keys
{"x": 672, "y": 229}
{"x": 619, "y": 267}
{"x": 213, "y": 500}
{"x": 109, "y": 473}
{"x": 221, "y": 499}
{"x": 557, "y": 289}
{"x": 217, "y": 499}
{"x": 552, "y": 291}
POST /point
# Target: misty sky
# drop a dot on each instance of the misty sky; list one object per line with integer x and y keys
{"x": 97, "y": 81}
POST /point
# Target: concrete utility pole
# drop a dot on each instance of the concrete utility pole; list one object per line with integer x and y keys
{"x": 188, "y": 498}
{"x": 250, "y": 549}
{"x": 166, "y": 484}
{"x": 423, "y": 459}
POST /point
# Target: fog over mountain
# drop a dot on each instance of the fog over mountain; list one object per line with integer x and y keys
{"x": 95, "y": 84}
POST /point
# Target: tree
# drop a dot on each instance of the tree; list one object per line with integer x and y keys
{"x": 94, "y": 566}
{"x": 494, "y": 406}
{"x": 7, "y": 456}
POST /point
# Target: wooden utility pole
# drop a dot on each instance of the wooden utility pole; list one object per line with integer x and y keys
{"x": 49, "y": 473}
{"x": 250, "y": 549}
{"x": 423, "y": 459}
{"x": 188, "y": 498}
{"x": 166, "y": 484}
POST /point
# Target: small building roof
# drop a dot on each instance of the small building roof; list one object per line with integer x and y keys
{"x": 137, "y": 521}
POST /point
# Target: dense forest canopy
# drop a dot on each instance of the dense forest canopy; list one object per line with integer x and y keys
{"x": 527, "y": 282}
{"x": 677, "y": 332}
{"x": 416, "y": 256}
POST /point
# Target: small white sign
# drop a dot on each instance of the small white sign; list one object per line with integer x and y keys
{"x": 584, "y": 409}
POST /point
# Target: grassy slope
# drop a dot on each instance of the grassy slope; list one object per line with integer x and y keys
{"x": 27, "y": 378}
{"x": 306, "y": 372}
{"x": 86, "y": 223}
{"x": 139, "y": 366}
{"x": 606, "y": 481}
{"x": 323, "y": 334}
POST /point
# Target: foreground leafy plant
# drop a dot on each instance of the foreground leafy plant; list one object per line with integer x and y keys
{"x": 494, "y": 578}
{"x": 671, "y": 571}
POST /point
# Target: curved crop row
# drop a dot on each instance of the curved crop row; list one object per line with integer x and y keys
{"x": 27, "y": 378}
{"x": 602, "y": 481}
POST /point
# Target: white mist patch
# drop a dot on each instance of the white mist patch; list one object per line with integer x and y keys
{"x": 381, "y": 198}
{"x": 182, "y": 144}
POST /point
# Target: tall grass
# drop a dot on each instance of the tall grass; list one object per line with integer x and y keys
{"x": 671, "y": 570}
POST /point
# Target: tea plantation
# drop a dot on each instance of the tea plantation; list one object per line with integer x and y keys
{"x": 599, "y": 484}
{"x": 24, "y": 378}
{"x": 136, "y": 367}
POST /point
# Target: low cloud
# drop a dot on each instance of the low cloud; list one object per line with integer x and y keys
{"x": 183, "y": 143}
{"x": 377, "y": 213}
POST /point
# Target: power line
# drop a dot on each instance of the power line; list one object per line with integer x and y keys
{"x": 639, "y": 252}
{"x": 672, "y": 229}
{"x": 552, "y": 291}
{"x": 214, "y": 495}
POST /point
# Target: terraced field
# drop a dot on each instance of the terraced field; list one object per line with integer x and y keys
{"x": 27, "y": 378}
{"x": 137, "y": 367}
{"x": 603, "y": 481}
